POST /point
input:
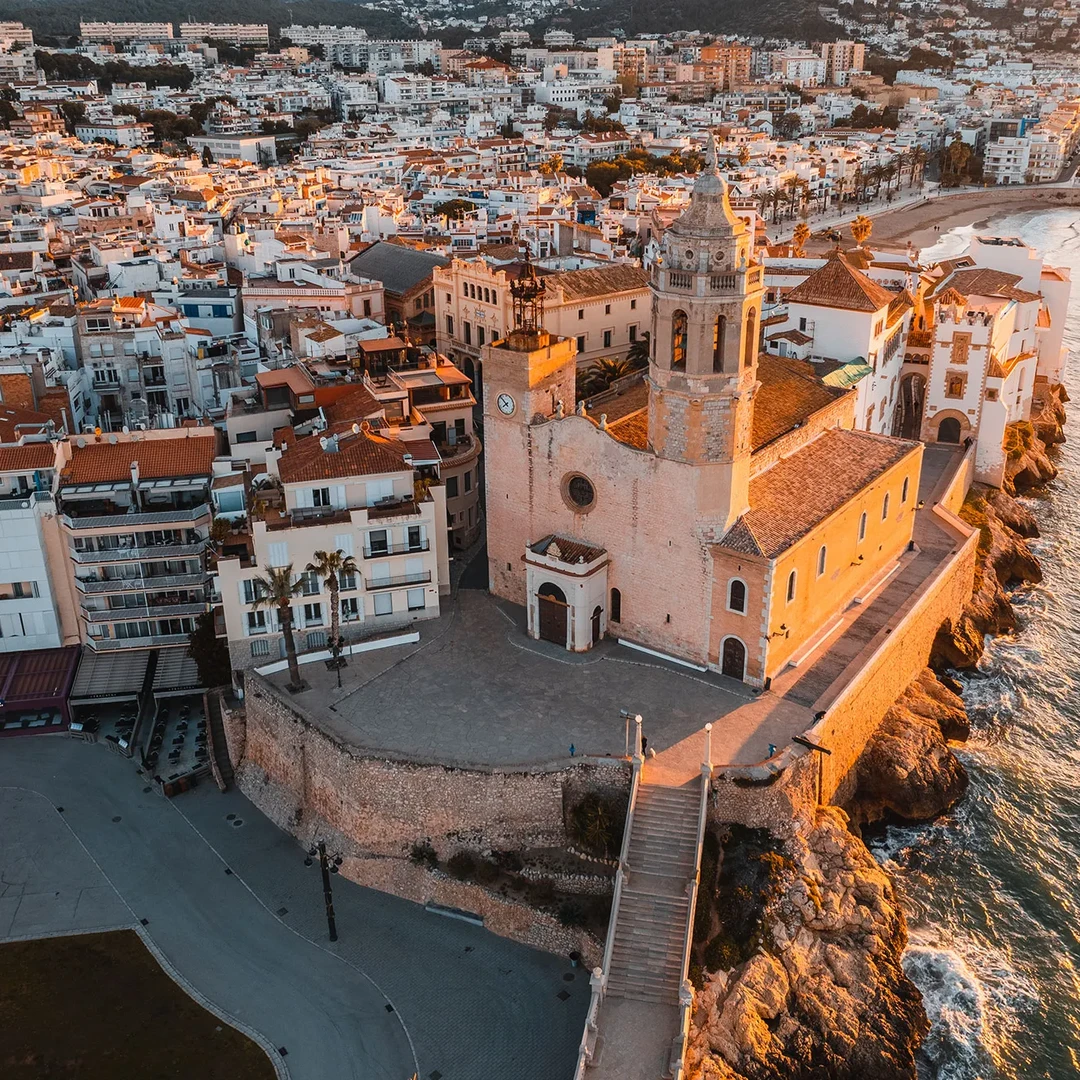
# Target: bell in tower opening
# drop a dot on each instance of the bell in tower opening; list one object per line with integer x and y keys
{"x": 528, "y": 297}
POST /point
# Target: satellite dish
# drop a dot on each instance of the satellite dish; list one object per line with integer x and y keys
{"x": 323, "y": 441}
{"x": 80, "y": 442}
{"x": 356, "y": 429}
{"x": 113, "y": 440}
{"x": 126, "y": 430}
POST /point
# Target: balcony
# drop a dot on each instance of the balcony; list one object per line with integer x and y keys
{"x": 397, "y": 549}
{"x": 133, "y": 614}
{"x": 140, "y": 584}
{"x": 399, "y": 580}
{"x": 23, "y": 501}
{"x": 392, "y": 508}
{"x": 148, "y": 518}
{"x": 151, "y": 642}
{"x": 134, "y": 554}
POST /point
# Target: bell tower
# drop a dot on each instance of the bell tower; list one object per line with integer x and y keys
{"x": 706, "y": 310}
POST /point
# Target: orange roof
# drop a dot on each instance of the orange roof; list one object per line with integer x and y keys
{"x": 839, "y": 285}
{"x": 364, "y": 454}
{"x": 102, "y": 463}
{"x": 26, "y": 458}
{"x": 294, "y": 377}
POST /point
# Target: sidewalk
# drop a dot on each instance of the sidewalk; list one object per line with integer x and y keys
{"x": 829, "y": 220}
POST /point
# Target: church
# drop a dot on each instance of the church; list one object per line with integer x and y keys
{"x": 722, "y": 511}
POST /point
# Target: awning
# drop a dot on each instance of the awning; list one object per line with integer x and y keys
{"x": 176, "y": 674}
{"x": 105, "y": 677}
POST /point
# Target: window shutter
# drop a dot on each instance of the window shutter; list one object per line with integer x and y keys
{"x": 414, "y": 566}
{"x": 337, "y": 496}
{"x": 278, "y": 554}
{"x": 343, "y": 542}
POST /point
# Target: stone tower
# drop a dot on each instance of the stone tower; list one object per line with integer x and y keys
{"x": 706, "y": 311}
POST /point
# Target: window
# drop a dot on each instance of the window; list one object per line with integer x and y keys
{"x": 750, "y": 345}
{"x": 862, "y": 527}
{"x": 633, "y": 305}
{"x": 260, "y": 648}
{"x": 632, "y": 329}
{"x": 791, "y": 587}
{"x": 350, "y": 609}
{"x": 487, "y": 296}
{"x": 320, "y": 496}
{"x": 607, "y": 309}
{"x": 885, "y": 507}
{"x": 367, "y": 309}
{"x": 878, "y": 327}
{"x": 802, "y": 325}
{"x": 256, "y": 623}
{"x": 468, "y": 481}
{"x": 678, "y": 341}
{"x": 465, "y": 289}
{"x": 377, "y": 542}
{"x": 719, "y": 330}
{"x": 415, "y": 536}
{"x": 451, "y": 487}
{"x": 450, "y": 325}
{"x": 245, "y": 436}
{"x": 250, "y": 590}
{"x": 494, "y": 296}
{"x": 310, "y": 585}
{"x": 313, "y": 615}
{"x": 481, "y": 336}
{"x": 904, "y": 489}
{"x": 954, "y": 386}
{"x": 468, "y": 333}
{"x": 416, "y": 598}
{"x": 607, "y": 339}
{"x": 615, "y": 614}
{"x": 821, "y": 556}
{"x": 384, "y": 603}
{"x": 581, "y": 343}
{"x": 736, "y": 597}
{"x": 581, "y": 313}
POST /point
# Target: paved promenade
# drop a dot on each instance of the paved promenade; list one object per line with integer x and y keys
{"x": 401, "y": 992}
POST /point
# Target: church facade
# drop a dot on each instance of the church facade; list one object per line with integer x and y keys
{"x": 687, "y": 513}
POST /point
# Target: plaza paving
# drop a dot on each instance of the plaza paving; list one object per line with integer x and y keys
{"x": 476, "y": 690}
{"x": 229, "y": 903}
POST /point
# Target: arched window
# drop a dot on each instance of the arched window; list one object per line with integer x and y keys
{"x": 615, "y": 607}
{"x": 719, "y": 331}
{"x": 737, "y": 596}
{"x": 821, "y": 556}
{"x": 791, "y": 587}
{"x": 678, "y": 341}
{"x": 862, "y": 527}
{"x": 885, "y": 507}
{"x": 904, "y": 489}
{"x": 751, "y": 343}
{"x": 487, "y": 296}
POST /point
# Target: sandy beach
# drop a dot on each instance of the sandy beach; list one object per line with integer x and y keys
{"x": 923, "y": 224}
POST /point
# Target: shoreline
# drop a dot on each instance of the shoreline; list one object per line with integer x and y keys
{"x": 927, "y": 222}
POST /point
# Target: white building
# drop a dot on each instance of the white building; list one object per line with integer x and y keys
{"x": 234, "y": 33}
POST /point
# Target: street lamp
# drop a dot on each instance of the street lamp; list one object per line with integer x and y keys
{"x": 328, "y": 864}
{"x": 338, "y": 661}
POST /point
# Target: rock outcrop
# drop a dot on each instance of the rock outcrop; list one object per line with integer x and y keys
{"x": 907, "y": 769}
{"x": 824, "y": 995}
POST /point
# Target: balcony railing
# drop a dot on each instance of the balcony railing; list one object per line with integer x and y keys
{"x": 398, "y": 580}
{"x": 140, "y": 584}
{"x": 23, "y": 501}
{"x": 153, "y": 641}
{"x": 395, "y": 508}
{"x": 397, "y": 549}
{"x": 150, "y": 517}
{"x": 130, "y": 614}
{"x": 135, "y": 554}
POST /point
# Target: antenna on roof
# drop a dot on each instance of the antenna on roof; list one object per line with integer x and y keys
{"x": 80, "y": 442}
{"x": 126, "y": 430}
{"x": 356, "y": 429}
{"x": 113, "y": 440}
{"x": 323, "y": 441}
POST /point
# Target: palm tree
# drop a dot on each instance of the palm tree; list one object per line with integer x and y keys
{"x": 640, "y": 352}
{"x": 800, "y": 239}
{"x": 276, "y": 589}
{"x": 331, "y": 566}
{"x": 861, "y": 228}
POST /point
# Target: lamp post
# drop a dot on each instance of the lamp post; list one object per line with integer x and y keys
{"x": 328, "y": 864}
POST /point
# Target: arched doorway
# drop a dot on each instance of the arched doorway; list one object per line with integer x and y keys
{"x": 596, "y": 625}
{"x": 949, "y": 430}
{"x": 907, "y": 420}
{"x": 733, "y": 658}
{"x": 554, "y": 613}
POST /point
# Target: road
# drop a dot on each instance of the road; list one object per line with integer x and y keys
{"x": 228, "y": 901}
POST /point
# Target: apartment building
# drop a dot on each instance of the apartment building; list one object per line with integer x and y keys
{"x": 603, "y": 308}
{"x": 233, "y": 33}
{"x": 134, "y": 514}
{"x": 352, "y": 489}
{"x": 110, "y": 32}
{"x": 842, "y": 58}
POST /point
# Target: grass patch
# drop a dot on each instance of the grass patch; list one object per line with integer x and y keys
{"x": 98, "y": 1007}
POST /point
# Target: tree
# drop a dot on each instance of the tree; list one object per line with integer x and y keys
{"x": 861, "y": 228}
{"x": 74, "y": 112}
{"x": 744, "y": 155}
{"x": 207, "y": 156}
{"x": 799, "y": 239}
{"x": 209, "y": 652}
{"x": 276, "y": 589}
{"x": 787, "y": 127}
{"x": 454, "y": 208}
{"x": 331, "y": 566}
{"x": 552, "y": 166}
{"x": 639, "y": 353}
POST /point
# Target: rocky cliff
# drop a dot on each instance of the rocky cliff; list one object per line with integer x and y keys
{"x": 907, "y": 769}
{"x": 823, "y": 993}
{"x": 1005, "y": 526}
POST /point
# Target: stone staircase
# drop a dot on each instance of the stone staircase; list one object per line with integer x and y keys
{"x": 647, "y": 954}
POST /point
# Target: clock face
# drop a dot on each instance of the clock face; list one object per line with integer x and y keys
{"x": 506, "y": 404}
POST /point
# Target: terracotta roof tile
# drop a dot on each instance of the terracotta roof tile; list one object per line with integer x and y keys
{"x": 839, "y": 285}
{"x": 365, "y": 454}
{"x": 568, "y": 550}
{"x": 791, "y": 391}
{"x": 27, "y": 457}
{"x": 599, "y": 281}
{"x": 104, "y": 462}
{"x": 790, "y": 499}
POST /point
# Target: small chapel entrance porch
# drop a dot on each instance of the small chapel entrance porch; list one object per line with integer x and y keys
{"x": 566, "y": 587}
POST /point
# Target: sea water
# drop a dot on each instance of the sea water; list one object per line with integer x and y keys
{"x": 992, "y": 890}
